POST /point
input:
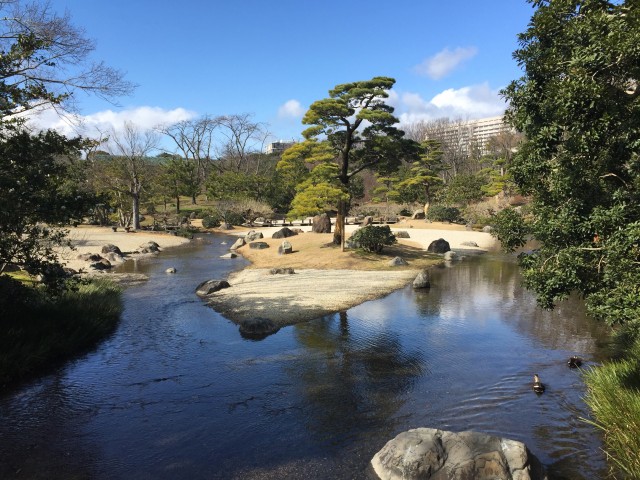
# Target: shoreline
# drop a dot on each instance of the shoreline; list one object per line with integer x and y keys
{"x": 327, "y": 281}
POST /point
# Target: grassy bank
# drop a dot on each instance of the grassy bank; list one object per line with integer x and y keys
{"x": 39, "y": 330}
{"x": 614, "y": 398}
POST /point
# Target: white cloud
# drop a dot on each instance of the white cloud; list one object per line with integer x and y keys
{"x": 475, "y": 101}
{"x": 94, "y": 124}
{"x": 291, "y": 109}
{"x": 444, "y": 62}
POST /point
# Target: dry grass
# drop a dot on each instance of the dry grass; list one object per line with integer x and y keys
{"x": 316, "y": 251}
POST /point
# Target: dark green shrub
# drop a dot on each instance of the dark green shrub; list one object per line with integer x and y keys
{"x": 211, "y": 220}
{"x": 441, "y": 213}
{"x": 233, "y": 218}
{"x": 373, "y": 238}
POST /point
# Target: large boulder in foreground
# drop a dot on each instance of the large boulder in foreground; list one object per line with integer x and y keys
{"x": 428, "y": 453}
{"x": 211, "y": 286}
{"x": 252, "y": 236}
{"x": 439, "y": 246}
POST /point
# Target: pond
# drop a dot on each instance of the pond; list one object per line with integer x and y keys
{"x": 176, "y": 392}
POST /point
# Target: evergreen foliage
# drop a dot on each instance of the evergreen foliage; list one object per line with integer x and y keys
{"x": 578, "y": 106}
{"x": 373, "y": 238}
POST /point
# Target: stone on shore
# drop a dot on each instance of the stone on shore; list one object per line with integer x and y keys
{"x": 240, "y": 242}
{"x": 321, "y": 224}
{"x": 229, "y": 255}
{"x": 439, "y": 246}
{"x": 282, "y": 271}
{"x": 425, "y": 453}
{"x": 258, "y": 245}
{"x": 398, "y": 262}
{"x": 111, "y": 248}
{"x": 284, "y": 232}
{"x": 252, "y": 236}
{"x": 149, "y": 247}
{"x": 401, "y": 234}
{"x": 285, "y": 248}
{"x": 211, "y": 286}
{"x": 451, "y": 256}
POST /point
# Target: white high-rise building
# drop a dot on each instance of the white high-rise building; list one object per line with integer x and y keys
{"x": 278, "y": 147}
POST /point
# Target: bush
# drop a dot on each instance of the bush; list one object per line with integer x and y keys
{"x": 233, "y": 218}
{"x": 211, "y": 220}
{"x": 373, "y": 238}
{"x": 441, "y": 213}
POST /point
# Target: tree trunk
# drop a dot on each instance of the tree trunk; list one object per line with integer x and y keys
{"x": 338, "y": 232}
{"x": 135, "y": 210}
{"x": 177, "y": 203}
{"x": 193, "y": 199}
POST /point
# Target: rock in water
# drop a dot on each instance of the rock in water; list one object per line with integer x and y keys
{"x": 425, "y": 453}
{"x": 422, "y": 280}
{"x": 257, "y": 328}
{"x": 211, "y": 286}
{"x": 170, "y": 270}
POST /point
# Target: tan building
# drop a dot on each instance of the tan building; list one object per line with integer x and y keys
{"x": 472, "y": 134}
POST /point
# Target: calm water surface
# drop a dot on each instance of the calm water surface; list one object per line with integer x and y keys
{"x": 175, "y": 392}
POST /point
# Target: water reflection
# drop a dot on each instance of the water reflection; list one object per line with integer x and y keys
{"x": 176, "y": 392}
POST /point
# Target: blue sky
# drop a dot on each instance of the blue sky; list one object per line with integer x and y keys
{"x": 273, "y": 59}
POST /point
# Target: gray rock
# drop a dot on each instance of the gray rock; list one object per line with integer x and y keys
{"x": 321, "y": 224}
{"x": 284, "y": 232}
{"x": 425, "y": 453}
{"x": 229, "y": 255}
{"x": 240, "y": 242}
{"x": 469, "y": 244}
{"x": 211, "y": 286}
{"x": 226, "y": 226}
{"x": 286, "y": 248}
{"x": 103, "y": 264}
{"x": 282, "y": 271}
{"x": 487, "y": 229}
{"x": 258, "y": 245}
{"x": 89, "y": 257}
{"x": 418, "y": 215}
{"x": 450, "y": 256}
{"x": 401, "y": 234}
{"x": 423, "y": 280}
{"x": 170, "y": 270}
{"x": 110, "y": 248}
{"x": 252, "y": 236}
{"x": 149, "y": 247}
{"x": 257, "y": 328}
{"x": 113, "y": 257}
{"x": 398, "y": 262}
{"x": 368, "y": 220}
{"x": 439, "y": 246}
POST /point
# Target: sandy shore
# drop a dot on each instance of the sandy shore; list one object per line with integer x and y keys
{"x": 87, "y": 239}
{"x": 327, "y": 280}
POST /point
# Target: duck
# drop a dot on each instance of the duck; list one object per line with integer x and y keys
{"x": 574, "y": 362}
{"x": 538, "y": 386}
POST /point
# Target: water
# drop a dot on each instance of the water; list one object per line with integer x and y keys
{"x": 175, "y": 392}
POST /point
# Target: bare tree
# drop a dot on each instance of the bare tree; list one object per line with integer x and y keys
{"x": 196, "y": 142}
{"x": 130, "y": 151}
{"x": 242, "y": 139}
{"x": 455, "y": 139}
{"x": 45, "y": 60}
